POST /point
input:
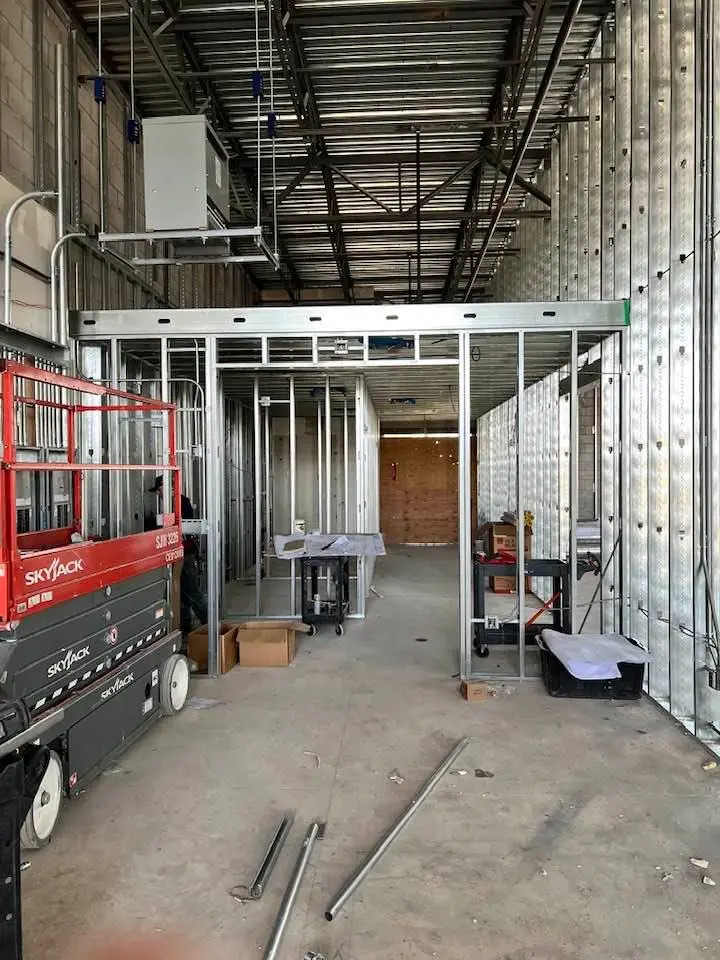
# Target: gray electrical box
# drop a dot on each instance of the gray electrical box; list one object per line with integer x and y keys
{"x": 186, "y": 175}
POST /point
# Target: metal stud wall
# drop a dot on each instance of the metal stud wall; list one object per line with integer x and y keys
{"x": 634, "y": 216}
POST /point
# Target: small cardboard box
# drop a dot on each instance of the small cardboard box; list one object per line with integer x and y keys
{"x": 503, "y": 536}
{"x": 268, "y": 643}
{"x": 198, "y": 647}
{"x": 473, "y": 690}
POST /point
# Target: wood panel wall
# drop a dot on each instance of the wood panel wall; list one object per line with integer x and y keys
{"x": 419, "y": 497}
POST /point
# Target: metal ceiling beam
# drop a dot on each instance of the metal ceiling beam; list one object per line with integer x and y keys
{"x": 555, "y": 55}
{"x": 432, "y": 216}
{"x": 380, "y": 158}
{"x": 377, "y": 127}
{"x": 292, "y": 58}
{"x": 439, "y": 68}
{"x": 219, "y": 18}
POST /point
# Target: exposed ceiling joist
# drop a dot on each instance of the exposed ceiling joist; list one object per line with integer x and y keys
{"x": 292, "y": 59}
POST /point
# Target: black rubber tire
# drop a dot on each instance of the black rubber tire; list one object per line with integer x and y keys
{"x": 312, "y": 632}
{"x": 339, "y": 630}
{"x": 174, "y": 684}
{"x": 35, "y": 833}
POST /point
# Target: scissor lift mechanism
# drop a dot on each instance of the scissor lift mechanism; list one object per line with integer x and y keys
{"x": 88, "y": 657}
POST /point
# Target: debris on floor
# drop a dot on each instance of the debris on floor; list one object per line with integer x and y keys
{"x": 311, "y": 753}
{"x": 666, "y": 877}
{"x": 709, "y": 882}
{"x": 113, "y": 770}
{"x": 25, "y": 865}
{"x": 710, "y": 765}
{"x": 311, "y": 955}
{"x": 459, "y": 773}
{"x": 475, "y": 690}
{"x": 396, "y": 776}
{"x": 484, "y": 774}
{"x": 203, "y": 703}
{"x": 421, "y": 639}
{"x": 374, "y": 591}
{"x": 700, "y": 863}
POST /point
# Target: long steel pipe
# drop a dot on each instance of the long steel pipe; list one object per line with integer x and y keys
{"x": 60, "y": 213}
{"x": 7, "y": 253}
{"x": 374, "y": 856}
{"x": 58, "y": 312}
{"x": 293, "y": 887}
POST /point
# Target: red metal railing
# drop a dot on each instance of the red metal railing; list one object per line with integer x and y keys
{"x": 45, "y": 567}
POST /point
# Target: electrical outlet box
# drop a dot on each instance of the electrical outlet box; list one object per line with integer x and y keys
{"x": 492, "y": 623}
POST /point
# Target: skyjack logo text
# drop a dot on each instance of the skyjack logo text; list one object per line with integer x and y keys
{"x": 119, "y": 685}
{"x": 53, "y": 572}
{"x": 69, "y": 660}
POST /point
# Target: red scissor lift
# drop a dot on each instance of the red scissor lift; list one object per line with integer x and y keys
{"x": 88, "y": 656}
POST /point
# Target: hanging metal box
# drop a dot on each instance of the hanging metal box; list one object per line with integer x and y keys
{"x": 186, "y": 175}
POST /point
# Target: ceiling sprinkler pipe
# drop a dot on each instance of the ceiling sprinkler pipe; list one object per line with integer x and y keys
{"x": 375, "y": 855}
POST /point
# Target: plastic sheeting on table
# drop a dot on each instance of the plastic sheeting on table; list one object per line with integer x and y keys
{"x": 329, "y": 545}
{"x": 593, "y": 656}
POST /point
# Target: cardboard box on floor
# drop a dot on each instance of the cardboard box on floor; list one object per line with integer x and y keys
{"x": 503, "y": 536}
{"x": 268, "y": 643}
{"x": 198, "y": 647}
{"x": 474, "y": 690}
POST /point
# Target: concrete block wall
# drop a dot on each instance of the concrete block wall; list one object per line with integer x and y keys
{"x": 29, "y": 32}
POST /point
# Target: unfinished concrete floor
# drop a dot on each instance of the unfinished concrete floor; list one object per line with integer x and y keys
{"x": 578, "y": 846}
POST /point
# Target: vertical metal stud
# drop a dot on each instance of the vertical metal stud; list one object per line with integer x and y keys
{"x": 520, "y": 500}
{"x": 212, "y": 503}
{"x": 464, "y": 524}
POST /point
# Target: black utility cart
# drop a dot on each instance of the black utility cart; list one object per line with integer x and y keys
{"x": 557, "y": 606}
{"x": 325, "y": 591}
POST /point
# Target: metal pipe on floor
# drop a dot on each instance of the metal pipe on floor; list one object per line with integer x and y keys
{"x": 293, "y": 887}
{"x": 257, "y": 887}
{"x": 374, "y": 856}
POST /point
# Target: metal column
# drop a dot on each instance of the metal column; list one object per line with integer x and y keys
{"x": 293, "y": 491}
{"x": 520, "y": 501}
{"x": 257, "y": 438}
{"x": 464, "y": 506}
{"x": 574, "y": 456}
{"x": 213, "y": 475}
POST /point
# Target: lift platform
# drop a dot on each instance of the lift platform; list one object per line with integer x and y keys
{"x": 88, "y": 655}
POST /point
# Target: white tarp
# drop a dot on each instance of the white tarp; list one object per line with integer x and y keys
{"x": 593, "y": 656}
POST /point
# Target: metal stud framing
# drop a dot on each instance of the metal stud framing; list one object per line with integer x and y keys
{"x": 635, "y": 216}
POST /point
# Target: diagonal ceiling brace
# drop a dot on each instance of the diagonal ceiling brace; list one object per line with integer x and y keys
{"x": 503, "y": 79}
{"x": 293, "y": 61}
{"x": 553, "y": 61}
